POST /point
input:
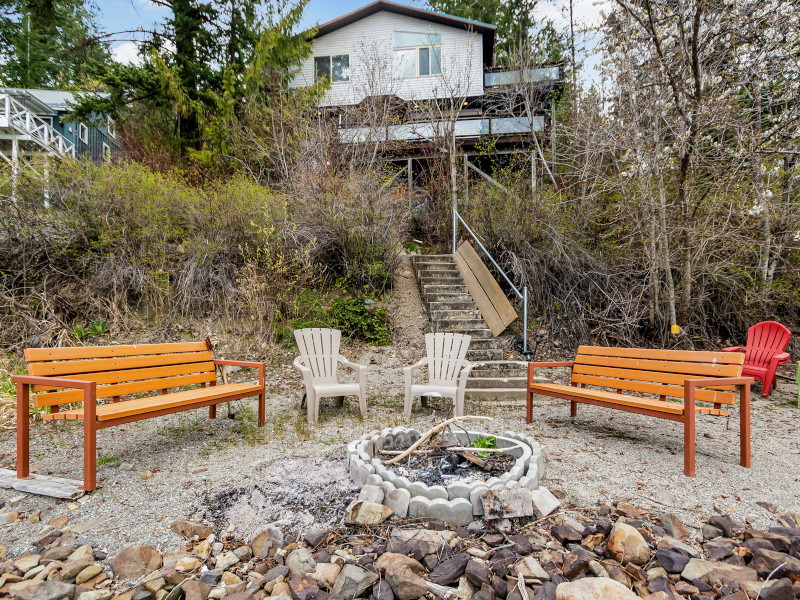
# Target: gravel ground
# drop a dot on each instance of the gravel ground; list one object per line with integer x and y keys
{"x": 245, "y": 478}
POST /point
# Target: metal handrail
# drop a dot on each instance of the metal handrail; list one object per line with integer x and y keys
{"x": 40, "y": 130}
{"x": 523, "y": 295}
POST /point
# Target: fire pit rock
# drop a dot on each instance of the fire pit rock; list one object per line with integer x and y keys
{"x": 457, "y": 503}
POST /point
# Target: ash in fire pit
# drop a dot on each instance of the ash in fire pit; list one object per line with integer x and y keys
{"x": 442, "y": 466}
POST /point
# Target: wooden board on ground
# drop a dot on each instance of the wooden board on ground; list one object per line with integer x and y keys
{"x": 43, "y": 485}
{"x": 492, "y": 302}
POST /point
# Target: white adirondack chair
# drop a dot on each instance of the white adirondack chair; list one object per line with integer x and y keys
{"x": 448, "y": 370}
{"x": 318, "y": 362}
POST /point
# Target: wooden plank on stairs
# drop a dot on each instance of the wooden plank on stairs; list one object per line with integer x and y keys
{"x": 492, "y": 302}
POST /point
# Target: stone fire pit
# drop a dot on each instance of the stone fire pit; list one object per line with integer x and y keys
{"x": 516, "y": 491}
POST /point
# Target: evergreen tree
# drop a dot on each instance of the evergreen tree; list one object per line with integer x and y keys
{"x": 513, "y": 19}
{"x": 49, "y": 44}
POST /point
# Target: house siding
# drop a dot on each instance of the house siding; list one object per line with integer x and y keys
{"x": 370, "y": 44}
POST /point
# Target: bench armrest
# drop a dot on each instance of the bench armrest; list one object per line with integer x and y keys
{"x": 89, "y": 392}
{"x": 532, "y": 366}
{"x": 247, "y": 365}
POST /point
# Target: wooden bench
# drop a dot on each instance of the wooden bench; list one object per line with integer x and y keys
{"x": 710, "y": 378}
{"x": 82, "y": 376}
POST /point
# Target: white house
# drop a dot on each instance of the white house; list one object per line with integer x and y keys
{"x": 391, "y": 49}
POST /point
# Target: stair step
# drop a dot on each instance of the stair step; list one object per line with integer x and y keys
{"x": 438, "y": 288}
{"x": 475, "y": 334}
{"x": 475, "y": 355}
{"x": 451, "y": 324}
{"x": 440, "y": 315}
{"x": 476, "y": 383}
{"x": 502, "y": 368}
{"x": 434, "y": 258}
{"x": 495, "y": 394}
{"x": 441, "y": 280}
{"x": 487, "y": 343}
{"x": 436, "y": 267}
{"x": 452, "y": 303}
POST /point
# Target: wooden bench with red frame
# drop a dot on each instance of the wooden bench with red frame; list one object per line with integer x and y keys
{"x": 702, "y": 381}
{"x": 84, "y": 375}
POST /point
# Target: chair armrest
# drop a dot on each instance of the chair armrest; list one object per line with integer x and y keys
{"x": 304, "y": 371}
{"x": 409, "y": 371}
{"x": 247, "y": 365}
{"x": 782, "y": 358}
{"x": 734, "y": 349}
{"x": 532, "y": 366}
{"x": 351, "y": 365}
{"x": 464, "y": 375}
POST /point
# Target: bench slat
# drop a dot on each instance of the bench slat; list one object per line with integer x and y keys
{"x": 116, "y": 364}
{"x": 684, "y": 368}
{"x": 78, "y": 352}
{"x": 674, "y": 408}
{"x": 648, "y": 382}
{"x": 107, "y": 412}
{"x": 726, "y": 358}
{"x": 123, "y": 389}
{"x": 129, "y": 375}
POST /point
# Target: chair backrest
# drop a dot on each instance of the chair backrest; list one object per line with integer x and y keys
{"x": 657, "y": 372}
{"x": 319, "y": 349}
{"x": 120, "y": 370}
{"x": 447, "y": 354}
{"x": 763, "y": 341}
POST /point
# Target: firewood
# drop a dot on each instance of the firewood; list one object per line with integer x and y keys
{"x": 429, "y": 433}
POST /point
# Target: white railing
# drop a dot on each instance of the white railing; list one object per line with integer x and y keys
{"x": 15, "y": 115}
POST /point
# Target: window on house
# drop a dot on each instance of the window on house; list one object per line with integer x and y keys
{"x": 417, "y": 54}
{"x": 112, "y": 129}
{"x": 83, "y": 133}
{"x": 336, "y": 67}
{"x": 106, "y": 152}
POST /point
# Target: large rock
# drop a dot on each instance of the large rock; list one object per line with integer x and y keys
{"x": 594, "y": 588}
{"x": 189, "y": 529}
{"x": 450, "y": 570}
{"x": 360, "y": 512}
{"x": 300, "y": 562}
{"x": 766, "y": 561}
{"x": 529, "y": 567}
{"x": 673, "y": 526}
{"x": 352, "y": 581}
{"x": 303, "y": 588}
{"x": 326, "y": 573}
{"x": 478, "y": 573}
{"x": 78, "y": 561}
{"x": 47, "y": 590}
{"x": 544, "y": 502}
{"x": 195, "y": 590}
{"x": 780, "y": 589}
{"x": 673, "y": 562}
{"x": 729, "y": 526}
{"x": 402, "y": 573}
{"x": 135, "y": 561}
{"x": 626, "y": 544}
{"x": 226, "y": 561}
{"x": 715, "y": 571}
{"x": 267, "y": 542}
{"x": 507, "y": 503}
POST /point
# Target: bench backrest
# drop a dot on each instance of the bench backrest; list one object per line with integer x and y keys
{"x": 120, "y": 370}
{"x": 657, "y": 372}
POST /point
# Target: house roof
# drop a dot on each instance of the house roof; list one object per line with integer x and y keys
{"x": 56, "y": 101}
{"x": 486, "y": 30}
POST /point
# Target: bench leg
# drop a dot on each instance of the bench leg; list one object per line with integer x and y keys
{"x": 573, "y": 408}
{"x": 744, "y": 426}
{"x": 89, "y": 455}
{"x": 212, "y": 411}
{"x": 529, "y": 409}
{"x": 688, "y": 434}
{"x": 262, "y": 409}
{"x": 23, "y": 432}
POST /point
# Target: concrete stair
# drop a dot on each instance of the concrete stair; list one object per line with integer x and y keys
{"x": 450, "y": 306}
{"x": 451, "y": 309}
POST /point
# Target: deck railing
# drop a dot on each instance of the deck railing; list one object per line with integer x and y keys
{"x": 17, "y": 116}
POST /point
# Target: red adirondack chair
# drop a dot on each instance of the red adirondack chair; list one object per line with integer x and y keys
{"x": 764, "y": 352}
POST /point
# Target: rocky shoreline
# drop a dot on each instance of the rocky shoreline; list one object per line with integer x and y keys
{"x": 614, "y": 552}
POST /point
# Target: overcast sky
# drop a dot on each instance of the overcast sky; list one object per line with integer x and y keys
{"x": 124, "y": 15}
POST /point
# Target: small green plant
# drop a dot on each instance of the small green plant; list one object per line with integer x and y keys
{"x": 79, "y": 332}
{"x": 488, "y": 441}
{"x": 97, "y": 328}
{"x": 104, "y": 460}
